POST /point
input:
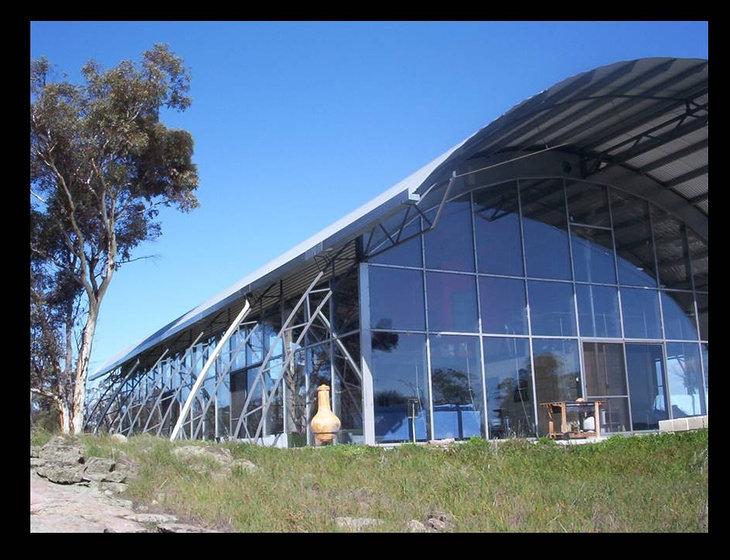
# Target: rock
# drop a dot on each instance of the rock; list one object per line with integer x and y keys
{"x": 36, "y": 462}
{"x": 61, "y": 473}
{"x": 440, "y": 521}
{"x": 62, "y": 450}
{"x": 415, "y": 526}
{"x": 356, "y": 523}
{"x": 244, "y": 465}
{"x": 151, "y": 518}
{"x": 220, "y": 455}
{"x": 181, "y": 528}
{"x": 111, "y": 488}
{"x": 99, "y": 465}
{"x": 128, "y": 466}
{"x": 35, "y": 450}
{"x": 119, "y": 438}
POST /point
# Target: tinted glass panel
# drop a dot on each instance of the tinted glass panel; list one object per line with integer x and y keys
{"x": 632, "y": 232}
{"x": 452, "y": 302}
{"x": 684, "y": 372}
{"x": 497, "y": 227}
{"x": 552, "y": 311}
{"x": 645, "y": 371}
{"x": 557, "y": 373}
{"x": 699, "y": 255}
{"x": 703, "y": 310}
{"x": 400, "y": 386}
{"x": 604, "y": 369}
{"x": 641, "y": 313}
{"x": 593, "y": 255}
{"x": 449, "y": 246}
{"x": 587, "y": 203}
{"x": 406, "y": 253}
{"x": 456, "y": 381}
{"x": 509, "y": 387}
{"x": 679, "y": 315}
{"x": 396, "y": 298}
{"x": 671, "y": 251}
{"x": 615, "y": 415}
{"x": 544, "y": 224}
{"x": 705, "y": 368}
{"x": 504, "y": 307}
{"x": 598, "y": 313}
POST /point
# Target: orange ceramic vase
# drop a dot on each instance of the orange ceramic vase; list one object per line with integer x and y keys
{"x": 325, "y": 423}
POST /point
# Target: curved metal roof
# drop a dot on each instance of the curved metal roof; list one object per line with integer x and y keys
{"x": 641, "y": 123}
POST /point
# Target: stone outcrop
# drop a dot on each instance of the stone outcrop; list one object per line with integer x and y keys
{"x": 217, "y": 461}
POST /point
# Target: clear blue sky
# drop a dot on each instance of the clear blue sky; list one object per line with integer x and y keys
{"x": 296, "y": 124}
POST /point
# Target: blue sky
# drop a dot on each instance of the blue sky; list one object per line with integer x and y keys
{"x": 298, "y": 123}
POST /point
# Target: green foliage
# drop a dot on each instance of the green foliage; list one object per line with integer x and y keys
{"x": 641, "y": 483}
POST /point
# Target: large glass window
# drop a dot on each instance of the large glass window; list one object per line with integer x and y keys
{"x": 684, "y": 373}
{"x": 456, "y": 382}
{"x": 449, "y": 245}
{"x": 497, "y": 228}
{"x": 545, "y": 227}
{"x": 405, "y": 253}
{"x": 503, "y": 305}
{"x": 557, "y": 373}
{"x": 598, "y": 312}
{"x": 509, "y": 387}
{"x": 396, "y": 299}
{"x": 604, "y": 369}
{"x": 587, "y": 203}
{"x": 641, "y": 313}
{"x": 645, "y": 370}
{"x": 452, "y": 302}
{"x": 679, "y": 315}
{"x": 705, "y": 367}
{"x": 593, "y": 255}
{"x": 703, "y": 311}
{"x": 672, "y": 251}
{"x": 634, "y": 248}
{"x": 400, "y": 385}
{"x": 552, "y": 311}
{"x": 699, "y": 256}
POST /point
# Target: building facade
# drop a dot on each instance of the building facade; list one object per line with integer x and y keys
{"x": 560, "y": 252}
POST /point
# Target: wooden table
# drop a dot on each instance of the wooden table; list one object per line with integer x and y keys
{"x": 561, "y": 408}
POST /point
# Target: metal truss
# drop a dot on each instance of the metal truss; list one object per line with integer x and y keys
{"x": 286, "y": 354}
{"x": 381, "y": 238}
{"x": 116, "y": 390}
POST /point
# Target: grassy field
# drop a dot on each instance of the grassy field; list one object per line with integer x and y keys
{"x": 655, "y": 483}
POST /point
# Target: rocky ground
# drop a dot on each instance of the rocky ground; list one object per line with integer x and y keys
{"x": 71, "y": 493}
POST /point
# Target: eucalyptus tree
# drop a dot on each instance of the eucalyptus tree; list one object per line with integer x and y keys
{"x": 102, "y": 164}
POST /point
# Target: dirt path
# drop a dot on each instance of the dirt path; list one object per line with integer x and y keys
{"x": 58, "y": 508}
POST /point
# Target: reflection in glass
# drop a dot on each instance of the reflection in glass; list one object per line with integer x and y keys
{"x": 684, "y": 373}
{"x": 604, "y": 369}
{"x": 544, "y": 224}
{"x": 587, "y": 203}
{"x": 703, "y": 310}
{"x": 396, "y": 298}
{"x": 593, "y": 255}
{"x": 557, "y": 373}
{"x": 405, "y": 253}
{"x": 449, "y": 245}
{"x": 456, "y": 382}
{"x": 497, "y": 228}
{"x": 699, "y": 257}
{"x": 503, "y": 305}
{"x": 347, "y": 390}
{"x": 345, "y": 302}
{"x": 615, "y": 415}
{"x": 671, "y": 250}
{"x": 400, "y": 386}
{"x": 509, "y": 387}
{"x": 632, "y": 233}
{"x": 598, "y": 312}
{"x": 705, "y": 368}
{"x": 645, "y": 370}
{"x": 641, "y": 313}
{"x": 452, "y": 305}
{"x": 679, "y": 315}
{"x": 552, "y": 311}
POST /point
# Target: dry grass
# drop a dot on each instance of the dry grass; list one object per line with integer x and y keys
{"x": 655, "y": 483}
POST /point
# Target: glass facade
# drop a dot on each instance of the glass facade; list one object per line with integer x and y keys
{"x": 539, "y": 290}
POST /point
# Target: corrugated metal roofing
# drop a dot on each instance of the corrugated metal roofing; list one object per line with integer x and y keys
{"x": 648, "y": 116}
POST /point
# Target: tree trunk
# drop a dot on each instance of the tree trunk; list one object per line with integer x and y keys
{"x": 64, "y": 417}
{"x": 82, "y": 367}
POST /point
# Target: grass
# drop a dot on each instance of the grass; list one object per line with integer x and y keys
{"x": 652, "y": 483}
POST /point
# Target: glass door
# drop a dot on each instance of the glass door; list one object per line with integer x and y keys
{"x": 605, "y": 380}
{"x": 645, "y": 368}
